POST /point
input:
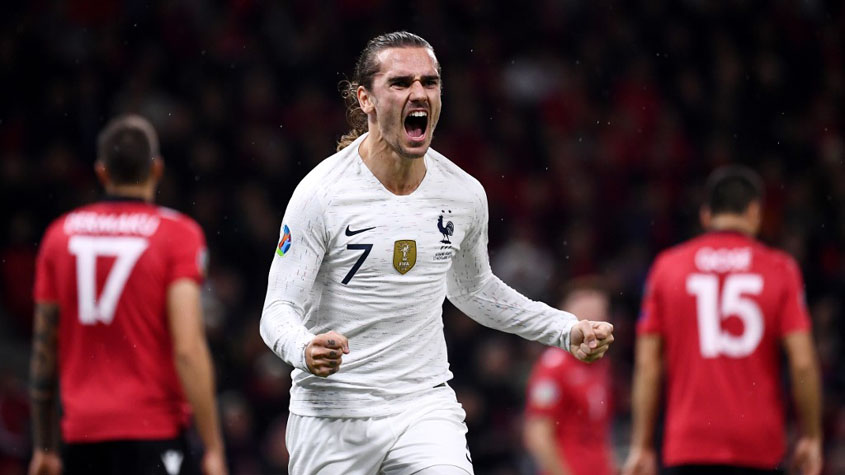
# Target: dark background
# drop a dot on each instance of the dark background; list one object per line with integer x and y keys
{"x": 592, "y": 125}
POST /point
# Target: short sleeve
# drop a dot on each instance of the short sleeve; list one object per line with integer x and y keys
{"x": 651, "y": 320}
{"x": 544, "y": 392}
{"x": 189, "y": 255}
{"x": 45, "y": 289}
{"x": 794, "y": 315}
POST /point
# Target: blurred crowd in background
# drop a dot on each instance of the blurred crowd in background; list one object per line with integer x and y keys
{"x": 592, "y": 125}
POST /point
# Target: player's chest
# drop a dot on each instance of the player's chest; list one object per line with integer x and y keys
{"x": 394, "y": 239}
{"x": 587, "y": 393}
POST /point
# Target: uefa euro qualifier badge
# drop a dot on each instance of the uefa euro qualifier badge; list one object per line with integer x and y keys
{"x": 284, "y": 243}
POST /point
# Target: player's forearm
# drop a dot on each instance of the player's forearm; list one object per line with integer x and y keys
{"x": 197, "y": 377}
{"x": 644, "y": 399}
{"x": 498, "y": 306}
{"x": 44, "y": 418}
{"x": 806, "y": 389}
{"x": 540, "y": 442}
{"x": 283, "y": 333}
{"x": 43, "y": 378}
{"x": 805, "y": 378}
{"x": 548, "y": 460}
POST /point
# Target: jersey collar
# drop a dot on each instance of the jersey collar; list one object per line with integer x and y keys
{"x": 730, "y": 232}
{"x": 112, "y": 198}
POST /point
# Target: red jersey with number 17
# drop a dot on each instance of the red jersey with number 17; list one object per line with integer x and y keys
{"x": 722, "y": 304}
{"x": 108, "y": 266}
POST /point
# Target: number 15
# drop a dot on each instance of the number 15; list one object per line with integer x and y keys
{"x": 711, "y": 310}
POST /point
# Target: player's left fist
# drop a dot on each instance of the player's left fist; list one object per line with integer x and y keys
{"x": 324, "y": 354}
{"x": 589, "y": 341}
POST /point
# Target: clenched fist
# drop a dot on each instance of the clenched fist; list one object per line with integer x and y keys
{"x": 589, "y": 341}
{"x": 324, "y": 354}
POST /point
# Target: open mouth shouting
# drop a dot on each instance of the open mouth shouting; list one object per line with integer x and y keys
{"x": 416, "y": 125}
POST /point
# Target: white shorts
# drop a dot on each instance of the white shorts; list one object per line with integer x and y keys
{"x": 430, "y": 432}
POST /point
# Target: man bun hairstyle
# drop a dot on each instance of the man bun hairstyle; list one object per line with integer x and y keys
{"x": 730, "y": 189}
{"x": 127, "y": 146}
{"x": 365, "y": 69}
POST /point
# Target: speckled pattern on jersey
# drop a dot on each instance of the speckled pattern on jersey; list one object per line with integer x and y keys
{"x": 376, "y": 268}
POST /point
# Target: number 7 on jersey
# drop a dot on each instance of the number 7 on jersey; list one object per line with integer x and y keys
{"x": 357, "y": 247}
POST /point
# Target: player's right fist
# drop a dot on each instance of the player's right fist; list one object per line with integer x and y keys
{"x": 325, "y": 352}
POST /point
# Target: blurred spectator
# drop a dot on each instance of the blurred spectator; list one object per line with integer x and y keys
{"x": 569, "y": 404}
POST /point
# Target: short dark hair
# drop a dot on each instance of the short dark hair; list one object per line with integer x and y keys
{"x": 730, "y": 189}
{"x": 365, "y": 69}
{"x": 127, "y": 146}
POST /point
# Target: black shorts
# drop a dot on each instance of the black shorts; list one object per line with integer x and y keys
{"x": 131, "y": 457}
{"x": 718, "y": 470}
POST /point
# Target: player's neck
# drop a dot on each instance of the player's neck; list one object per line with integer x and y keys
{"x": 400, "y": 175}
{"x": 143, "y": 191}
{"x": 731, "y": 222}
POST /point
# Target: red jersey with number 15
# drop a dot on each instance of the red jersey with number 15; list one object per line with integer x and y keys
{"x": 107, "y": 266}
{"x": 722, "y": 304}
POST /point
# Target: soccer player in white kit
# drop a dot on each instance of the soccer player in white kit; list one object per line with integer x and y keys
{"x": 372, "y": 241}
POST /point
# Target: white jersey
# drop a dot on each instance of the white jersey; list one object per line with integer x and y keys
{"x": 375, "y": 267}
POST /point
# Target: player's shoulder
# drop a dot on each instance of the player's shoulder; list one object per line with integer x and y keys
{"x": 450, "y": 171}
{"x": 674, "y": 255}
{"x": 175, "y": 220}
{"x": 553, "y": 366}
{"x": 65, "y": 223}
{"x": 775, "y": 259}
{"x": 332, "y": 166}
{"x": 553, "y": 358}
{"x": 175, "y": 216}
{"x": 332, "y": 170}
{"x": 671, "y": 262}
{"x": 56, "y": 228}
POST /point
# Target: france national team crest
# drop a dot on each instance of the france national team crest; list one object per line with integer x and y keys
{"x": 284, "y": 244}
{"x": 404, "y": 255}
{"x": 446, "y": 229}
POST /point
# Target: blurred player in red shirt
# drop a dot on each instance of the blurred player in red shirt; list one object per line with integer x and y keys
{"x": 568, "y": 411}
{"x": 118, "y": 327}
{"x": 716, "y": 311}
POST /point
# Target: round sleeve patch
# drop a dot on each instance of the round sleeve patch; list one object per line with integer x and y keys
{"x": 544, "y": 394}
